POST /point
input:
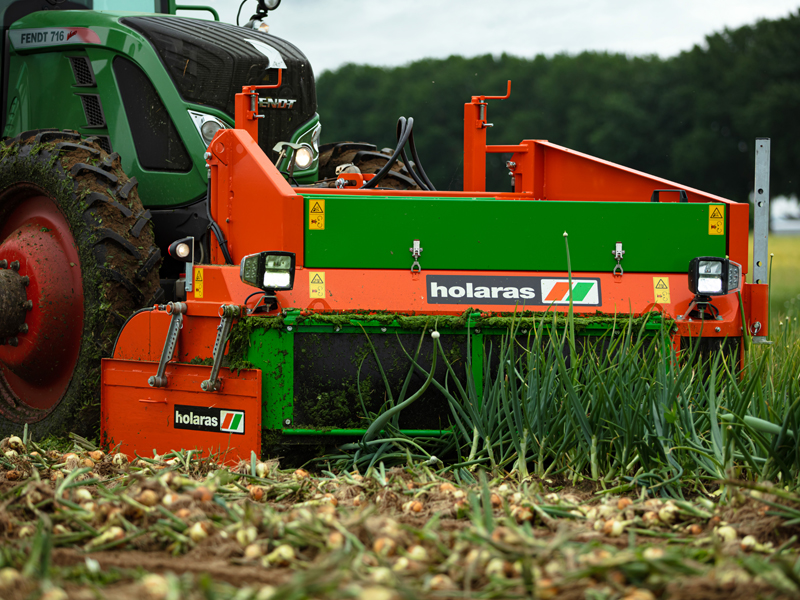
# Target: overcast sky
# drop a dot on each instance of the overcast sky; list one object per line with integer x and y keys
{"x": 383, "y": 32}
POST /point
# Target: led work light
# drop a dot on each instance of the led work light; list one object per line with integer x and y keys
{"x": 712, "y": 276}
{"x": 270, "y": 271}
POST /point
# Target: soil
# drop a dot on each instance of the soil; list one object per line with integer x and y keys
{"x": 187, "y": 528}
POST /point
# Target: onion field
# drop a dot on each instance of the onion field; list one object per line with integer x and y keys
{"x": 622, "y": 470}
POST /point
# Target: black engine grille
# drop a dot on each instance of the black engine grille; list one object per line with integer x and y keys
{"x": 82, "y": 69}
{"x": 93, "y": 110}
{"x": 209, "y": 62}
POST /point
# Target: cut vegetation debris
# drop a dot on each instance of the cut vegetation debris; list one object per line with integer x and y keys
{"x": 79, "y": 524}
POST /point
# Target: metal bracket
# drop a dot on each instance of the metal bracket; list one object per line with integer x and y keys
{"x": 177, "y": 310}
{"x": 415, "y": 250}
{"x": 761, "y": 201}
{"x": 618, "y": 253}
{"x": 227, "y": 314}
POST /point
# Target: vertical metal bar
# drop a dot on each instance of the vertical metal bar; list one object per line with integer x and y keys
{"x": 228, "y": 313}
{"x": 761, "y": 207}
{"x": 178, "y": 309}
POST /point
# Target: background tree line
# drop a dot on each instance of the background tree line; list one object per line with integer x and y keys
{"x": 692, "y": 118}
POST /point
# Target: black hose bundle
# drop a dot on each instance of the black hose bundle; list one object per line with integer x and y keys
{"x": 405, "y": 134}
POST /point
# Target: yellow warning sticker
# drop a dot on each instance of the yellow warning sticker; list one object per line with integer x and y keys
{"x": 716, "y": 220}
{"x": 316, "y": 214}
{"x": 661, "y": 290}
{"x": 198, "y": 283}
{"x": 316, "y": 284}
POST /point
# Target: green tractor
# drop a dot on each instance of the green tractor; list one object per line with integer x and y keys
{"x": 107, "y": 116}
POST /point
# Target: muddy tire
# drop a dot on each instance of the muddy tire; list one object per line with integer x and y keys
{"x": 368, "y": 160}
{"x": 74, "y": 233}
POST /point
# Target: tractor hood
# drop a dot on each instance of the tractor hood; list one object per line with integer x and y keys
{"x": 208, "y": 59}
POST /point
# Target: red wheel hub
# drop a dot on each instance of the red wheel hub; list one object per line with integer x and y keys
{"x": 35, "y": 374}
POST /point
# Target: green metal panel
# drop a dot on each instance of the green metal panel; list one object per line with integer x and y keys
{"x": 488, "y": 234}
{"x": 277, "y": 342}
{"x": 271, "y": 350}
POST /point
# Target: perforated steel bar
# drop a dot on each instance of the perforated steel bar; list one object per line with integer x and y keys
{"x": 761, "y": 207}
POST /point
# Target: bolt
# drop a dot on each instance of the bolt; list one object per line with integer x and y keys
{"x": 28, "y": 305}
{"x": 23, "y": 328}
{"x": 15, "y": 265}
{"x": 289, "y": 328}
{"x": 25, "y": 280}
{"x": 337, "y": 328}
{"x": 511, "y": 164}
{"x": 151, "y": 381}
{"x": 13, "y": 341}
{"x": 680, "y": 317}
{"x": 717, "y": 329}
{"x": 477, "y": 330}
{"x": 204, "y": 386}
{"x": 287, "y": 422}
{"x": 207, "y": 155}
{"x": 383, "y": 329}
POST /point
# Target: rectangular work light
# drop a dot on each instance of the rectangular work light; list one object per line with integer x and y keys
{"x": 270, "y": 271}
{"x": 713, "y": 276}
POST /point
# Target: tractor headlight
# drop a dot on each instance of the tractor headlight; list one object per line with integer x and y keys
{"x": 207, "y": 125}
{"x": 303, "y": 157}
{"x": 268, "y": 270}
{"x": 712, "y": 276}
{"x": 208, "y": 129}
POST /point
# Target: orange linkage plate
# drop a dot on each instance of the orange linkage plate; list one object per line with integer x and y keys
{"x": 224, "y": 424}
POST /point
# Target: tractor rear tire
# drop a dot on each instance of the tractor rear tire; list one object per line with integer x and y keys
{"x": 368, "y": 161}
{"x": 75, "y": 235}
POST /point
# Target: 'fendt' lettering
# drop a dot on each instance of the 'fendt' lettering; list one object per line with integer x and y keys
{"x": 276, "y": 103}
{"x": 37, "y": 37}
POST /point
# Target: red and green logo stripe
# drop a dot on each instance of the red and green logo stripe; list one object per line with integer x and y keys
{"x": 560, "y": 291}
{"x": 232, "y": 421}
{"x": 556, "y": 291}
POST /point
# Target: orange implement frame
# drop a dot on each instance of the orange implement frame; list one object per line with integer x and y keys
{"x": 143, "y": 419}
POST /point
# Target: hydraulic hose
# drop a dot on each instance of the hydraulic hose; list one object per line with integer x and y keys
{"x": 409, "y": 125}
{"x": 223, "y": 243}
{"x": 403, "y": 138}
{"x": 405, "y": 134}
{"x": 417, "y": 162}
{"x": 119, "y": 333}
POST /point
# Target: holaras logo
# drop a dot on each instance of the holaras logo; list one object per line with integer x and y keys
{"x": 200, "y": 418}
{"x": 586, "y": 292}
{"x": 477, "y": 290}
{"x": 232, "y": 421}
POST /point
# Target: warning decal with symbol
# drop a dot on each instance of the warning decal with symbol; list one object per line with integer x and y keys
{"x": 316, "y": 284}
{"x": 716, "y": 220}
{"x": 316, "y": 214}
{"x": 198, "y": 283}
{"x": 661, "y": 290}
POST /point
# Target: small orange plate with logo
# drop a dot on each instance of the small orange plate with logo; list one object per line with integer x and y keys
{"x": 181, "y": 416}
